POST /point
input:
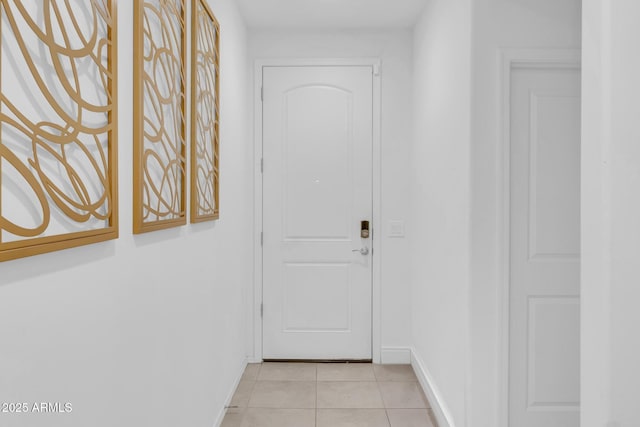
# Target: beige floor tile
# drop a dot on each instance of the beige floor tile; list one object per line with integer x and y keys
{"x": 349, "y": 394}
{"x": 410, "y": 418}
{"x": 251, "y": 372}
{"x": 261, "y": 417}
{"x": 284, "y": 394}
{"x": 394, "y": 373}
{"x": 402, "y": 395}
{"x": 243, "y": 393}
{"x": 352, "y": 418}
{"x": 287, "y": 372}
{"x": 232, "y": 419}
{"x": 345, "y": 372}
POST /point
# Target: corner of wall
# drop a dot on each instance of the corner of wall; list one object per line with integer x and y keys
{"x": 434, "y": 396}
{"x": 227, "y": 402}
{"x": 396, "y": 356}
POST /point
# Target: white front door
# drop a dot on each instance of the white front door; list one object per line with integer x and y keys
{"x": 545, "y": 248}
{"x": 317, "y": 188}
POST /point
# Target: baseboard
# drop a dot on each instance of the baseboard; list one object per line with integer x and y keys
{"x": 395, "y": 356}
{"x": 438, "y": 405}
{"x": 227, "y": 401}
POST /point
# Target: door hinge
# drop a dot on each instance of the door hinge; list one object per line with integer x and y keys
{"x": 262, "y": 165}
{"x": 262, "y": 238}
{"x": 261, "y": 310}
{"x": 376, "y": 70}
{"x": 262, "y": 94}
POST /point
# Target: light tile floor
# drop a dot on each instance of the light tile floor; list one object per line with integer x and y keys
{"x": 328, "y": 395}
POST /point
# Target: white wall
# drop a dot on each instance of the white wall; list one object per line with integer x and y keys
{"x": 499, "y": 24}
{"x": 145, "y": 330}
{"x": 611, "y": 214}
{"x": 440, "y": 201}
{"x": 394, "y": 49}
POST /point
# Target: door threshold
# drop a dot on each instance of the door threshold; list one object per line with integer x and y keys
{"x": 318, "y": 360}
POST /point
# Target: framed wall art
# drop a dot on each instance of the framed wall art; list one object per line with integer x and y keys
{"x": 159, "y": 115}
{"x": 58, "y": 125}
{"x": 205, "y": 117}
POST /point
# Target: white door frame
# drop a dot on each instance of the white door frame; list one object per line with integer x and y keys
{"x": 255, "y": 317}
{"x": 510, "y": 60}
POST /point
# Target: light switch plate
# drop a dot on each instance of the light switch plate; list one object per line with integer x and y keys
{"x": 396, "y": 228}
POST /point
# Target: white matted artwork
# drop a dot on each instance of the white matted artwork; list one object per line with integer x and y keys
{"x": 159, "y": 187}
{"x": 205, "y": 114}
{"x": 58, "y": 122}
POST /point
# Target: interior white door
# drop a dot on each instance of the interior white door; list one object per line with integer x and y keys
{"x": 317, "y": 188}
{"x": 545, "y": 248}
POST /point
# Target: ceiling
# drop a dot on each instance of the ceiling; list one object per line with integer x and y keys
{"x": 331, "y": 14}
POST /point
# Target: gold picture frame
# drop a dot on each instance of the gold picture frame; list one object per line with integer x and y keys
{"x": 205, "y": 114}
{"x": 58, "y": 126}
{"x": 159, "y": 188}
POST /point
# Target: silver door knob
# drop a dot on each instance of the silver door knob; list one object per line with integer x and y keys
{"x": 363, "y": 251}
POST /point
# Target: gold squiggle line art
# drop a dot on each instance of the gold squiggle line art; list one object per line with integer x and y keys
{"x": 58, "y": 138}
{"x": 160, "y": 164}
{"x": 205, "y": 121}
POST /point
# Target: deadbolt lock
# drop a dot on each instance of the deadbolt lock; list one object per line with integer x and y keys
{"x": 364, "y": 229}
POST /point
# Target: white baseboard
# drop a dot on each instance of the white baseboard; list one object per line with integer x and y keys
{"x": 438, "y": 405}
{"x": 395, "y": 356}
{"x": 227, "y": 401}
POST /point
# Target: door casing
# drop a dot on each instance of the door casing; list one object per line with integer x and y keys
{"x": 254, "y": 316}
{"x": 510, "y": 59}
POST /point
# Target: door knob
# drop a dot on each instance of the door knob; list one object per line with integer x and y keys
{"x": 363, "y": 251}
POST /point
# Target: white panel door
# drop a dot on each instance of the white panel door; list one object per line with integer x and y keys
{"x": 317, "y": 188}
{"x": 545, "y": 244}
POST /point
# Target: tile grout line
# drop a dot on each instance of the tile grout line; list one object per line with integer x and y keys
{"x": 384, "y": 403}
{"x": 386, "y": 413}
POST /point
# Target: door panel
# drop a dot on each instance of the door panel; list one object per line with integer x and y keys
{"x": 317, "y": 187}
{"x": 318, "y": 160}
{"x": 316, "y": 297}
{"x": 554, "y": 206}
{"x": 544, "y": 366}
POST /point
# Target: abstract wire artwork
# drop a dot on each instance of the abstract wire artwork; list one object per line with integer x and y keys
{"x": 159, "y": 115}
{"x": 204, "y": 114}
{"x": 58, "y": 122}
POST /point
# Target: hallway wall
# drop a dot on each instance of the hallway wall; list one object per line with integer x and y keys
{"x": 499, "y": 25}
{"x": 611, "y": 214}
{"x": 456, "y": 176}
{"x": 145, "y": 330}
{"x": 440, "y": 202}
{"x": 394, "y": 48}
